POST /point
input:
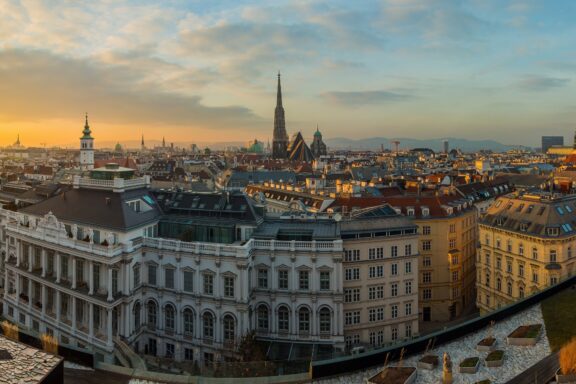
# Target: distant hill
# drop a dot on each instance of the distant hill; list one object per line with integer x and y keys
{"x": 374, "y": 143}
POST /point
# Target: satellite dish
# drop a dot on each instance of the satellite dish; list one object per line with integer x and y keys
{"x": 337, "y": 217}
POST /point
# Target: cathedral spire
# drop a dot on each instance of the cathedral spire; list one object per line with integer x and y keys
{"x": 280, "y": 138}
{"x": 574, "y": 145}
{"x": 279, "y": 93}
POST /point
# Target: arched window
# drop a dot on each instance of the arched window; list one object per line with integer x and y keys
{"x": 325, "y": 320}
{"x": 229, "y": 328}
{"x": 509, "y": 287}
{"x": 535, "y": 253}
{"x": 208, "y": 325}
{"x": 188, "y": 322}
{"x": 499, "y": 284}
{"x": 283, "y": 319}
{"x": 137, "y": 310}
{"x": 521, "y": 292}
{"x": 262, "y": 318}
{"x": 152, "y": 314}
{"x": 304, "y": 320}
{"x": 169, "y": 318}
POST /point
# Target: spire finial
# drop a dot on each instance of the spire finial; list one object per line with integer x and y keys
{"x": 279, "y": 93}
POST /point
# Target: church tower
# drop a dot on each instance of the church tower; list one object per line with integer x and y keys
{"x": 280, "y": 138}
{"x": 86, "y": 148}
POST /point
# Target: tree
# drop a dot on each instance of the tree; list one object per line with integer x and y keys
{"x": 568, "y": 358}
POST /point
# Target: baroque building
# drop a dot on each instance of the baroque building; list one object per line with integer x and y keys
{"x": 527, "y": 243}
{"x": 318, "y": 147}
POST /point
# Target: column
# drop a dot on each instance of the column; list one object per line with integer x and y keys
{"x": 90, "y": 277}
{"x": 30, "y": 249}
{"x": 18, "y": 289}
{"x": 91, "y": 320}
{"x": 58, "y": 267}
{"x": 18, "y": 252}
{"x": 29, "y": 295}
{"x": 73, "y": 272}
{"x": 109, "y": 284}
{"x": 44, "y": 301}
{"x": 58, "y": 306}
{"x": 73, "y": 314}
{"x": 43, "y": 261}
{"x": 109, "y": 324}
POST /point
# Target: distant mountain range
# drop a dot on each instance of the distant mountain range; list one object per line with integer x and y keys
{"x": 375, "y": 143}
{"x": 372, "y": 143}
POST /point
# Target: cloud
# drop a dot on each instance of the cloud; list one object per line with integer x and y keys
{"x": 41, "y": 85}
{"x": 364, "y": 98}
{"x": 541, "y": 83}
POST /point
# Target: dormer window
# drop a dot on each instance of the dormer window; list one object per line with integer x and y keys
{"x": 425, "y": 212}
{"x": 500, "y": 221}
{"x": 449, "y": 211}
{"x": 410, "y": 211}
{"x": 552, "y": 231}
{"x": 523, "y": 227}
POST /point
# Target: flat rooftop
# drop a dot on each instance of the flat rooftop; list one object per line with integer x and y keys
{"x": 20, "y": 363}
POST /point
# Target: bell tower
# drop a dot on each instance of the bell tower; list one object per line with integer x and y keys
{"x": 86, "y": 148}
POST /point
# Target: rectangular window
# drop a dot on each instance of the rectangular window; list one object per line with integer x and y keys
{"x": 408, "y": 287}
{"x": 552, "y": 255}
{"x": 169, "y": 278}
{"x": 408, "y": 309}
{"x": 352, "y": 274}
{"x": 454, "y": 275}
{"x": 136, "y": 275}
{"x": 394, "y": 290}
{"x": 408, "y": 267}
{"x": 351, "y": 255}
{"x": 427, "y": 277}
{"x": 324, "y": 281}
{"x": 376, "y": 314}
{"x": 376, "y": 292}
{"x": 303, "y": 280}
{"x": 228, "y": 286}
{"x": 452, "y": 243}
{"x": 426, "y": 294}
{"x": 352, "y": 295}
{"x": 394, "y": 311}
{"x": 408, "y": 249}
{"x": 151, "y": 274}
{"x": 521, "y": 270}
{"x": 262, "y": 278}
{"x": 394, "y": 251}
{"x": 283, "y": 279}
{"x": 394, "y": 270}
{"x": 376, "y": 271}
{"x": 208, "y": 284}
{"x": 426, "y": 230}
{"x": 452, "y": 228}
{"x": 427, "y": 261}
{"x": 408, "y": 330}
{"x": 352, "y": 317}
{"x": 426, "y": 245}
{"x": 188, "y": 281}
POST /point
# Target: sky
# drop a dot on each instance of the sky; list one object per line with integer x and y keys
{"x": 205, "y": 71}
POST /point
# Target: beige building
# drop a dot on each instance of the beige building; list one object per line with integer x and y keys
{"x": 527, "y": 243}
{"x": 380, "y": 277}
{"x": 447, "y": 246}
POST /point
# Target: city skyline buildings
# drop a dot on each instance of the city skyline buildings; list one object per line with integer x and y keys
{"x": 198, "y": 72}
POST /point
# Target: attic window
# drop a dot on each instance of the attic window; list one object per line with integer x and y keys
{"x": 520, "y": 208}
{"x": 498, "y": 203}
{"x": 410, "y": 211}
{"x": 568, "y": 208}
{"x": 499, "y": 221}
{"x": 567, "y": 228}
{"x": 541, "y": 211}
{"x": 449, "y": 211}
{"x": 559, "y": 210}
{"x": 523, "y": 227}
{"x": 509, "y": 205}
{"x": 530, "y": 208}
{"x": 552, "y": 231}
{"x": 425, "y": 212}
